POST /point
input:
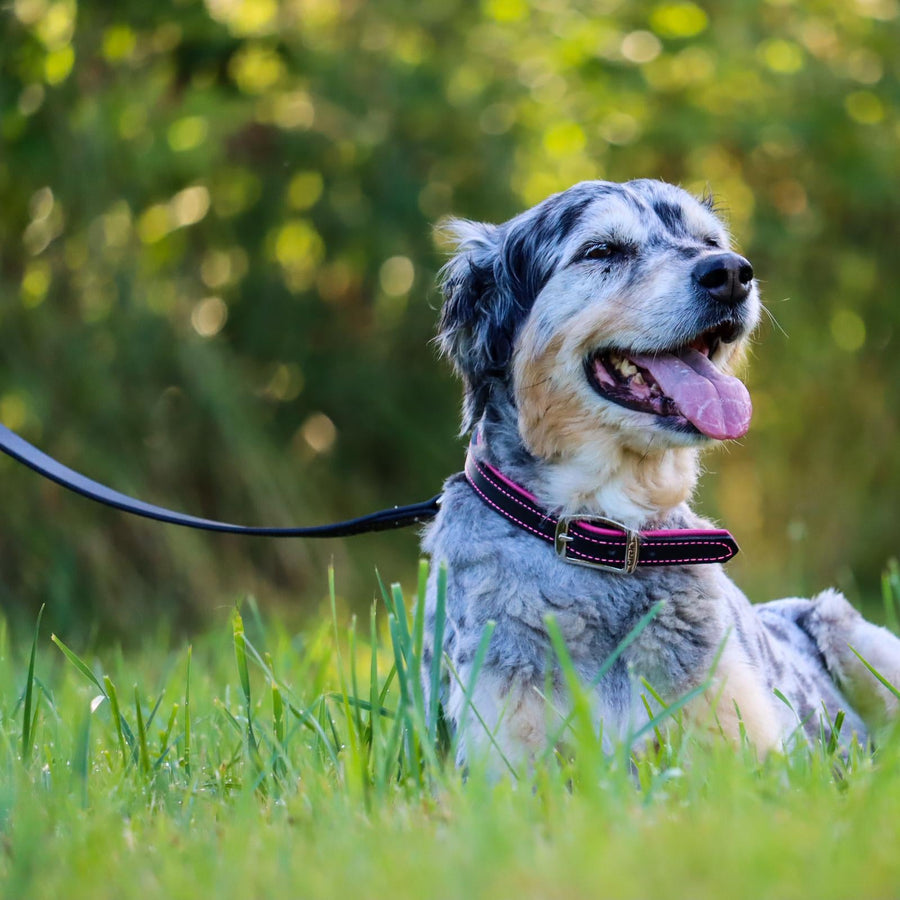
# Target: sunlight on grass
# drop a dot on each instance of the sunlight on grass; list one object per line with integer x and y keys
{"x": 318, "y": 765}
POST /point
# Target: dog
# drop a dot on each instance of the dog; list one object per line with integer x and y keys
{"x": 595, "y": 335}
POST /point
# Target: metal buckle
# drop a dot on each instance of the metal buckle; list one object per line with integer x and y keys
{"x": 562, "y": 538}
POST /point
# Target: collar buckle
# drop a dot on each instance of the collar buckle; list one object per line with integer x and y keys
{"x": 562, "y": 539}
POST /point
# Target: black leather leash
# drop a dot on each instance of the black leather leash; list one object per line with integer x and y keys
{"x": 396, "y": 517}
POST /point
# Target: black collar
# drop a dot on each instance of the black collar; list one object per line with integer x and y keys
{"x": 595, "y": 541}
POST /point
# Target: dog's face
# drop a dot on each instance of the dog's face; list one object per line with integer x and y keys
{"x": 607, "y": 310}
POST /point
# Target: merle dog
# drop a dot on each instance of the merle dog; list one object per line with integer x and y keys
{"x": 595, "y": 335}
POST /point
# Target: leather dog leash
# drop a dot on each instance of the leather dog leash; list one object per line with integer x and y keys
{"x": 583, "y": 540}
{"x": 19, "y": 449}
{"x": 595, "y": 541}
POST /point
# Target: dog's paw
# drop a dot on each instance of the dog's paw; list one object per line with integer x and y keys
{"x": 839, "y": 630}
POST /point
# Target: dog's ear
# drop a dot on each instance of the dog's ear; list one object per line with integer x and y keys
{"x": 480, "y": 313}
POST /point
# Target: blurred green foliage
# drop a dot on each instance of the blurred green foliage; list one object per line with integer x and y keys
{"x": 216, "y": 265}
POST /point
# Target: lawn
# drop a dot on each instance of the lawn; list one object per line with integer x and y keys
{"x": 260, "y": 763}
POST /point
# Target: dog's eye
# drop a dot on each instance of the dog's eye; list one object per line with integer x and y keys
{"x": 603, "y": 250}
{"x": 712, "y": 242}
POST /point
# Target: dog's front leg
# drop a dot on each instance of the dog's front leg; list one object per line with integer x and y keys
{"x": 503, "y": 725}
{"x": 738, "y": 704}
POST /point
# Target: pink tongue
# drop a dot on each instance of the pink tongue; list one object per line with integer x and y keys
{"x": 717, "y": 404}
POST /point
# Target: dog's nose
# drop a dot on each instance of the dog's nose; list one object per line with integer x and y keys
{"x": 726, "y": 277}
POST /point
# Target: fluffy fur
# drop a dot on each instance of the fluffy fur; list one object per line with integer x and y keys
{"x": 526, "y": 303}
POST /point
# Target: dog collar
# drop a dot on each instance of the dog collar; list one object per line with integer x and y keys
{"x": 595, "y": 541}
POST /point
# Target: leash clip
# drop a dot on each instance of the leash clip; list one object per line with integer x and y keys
{"x": 562, "y": 539}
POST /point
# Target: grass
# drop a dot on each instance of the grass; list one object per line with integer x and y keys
{"x": 257, "y": 763}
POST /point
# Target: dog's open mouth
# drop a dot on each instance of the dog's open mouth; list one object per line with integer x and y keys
{"x": 682, "y": 386}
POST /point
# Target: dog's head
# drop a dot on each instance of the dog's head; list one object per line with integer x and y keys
{"x": 606, "y": 308}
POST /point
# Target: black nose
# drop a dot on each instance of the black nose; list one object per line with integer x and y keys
{"x": 726, "y": 277}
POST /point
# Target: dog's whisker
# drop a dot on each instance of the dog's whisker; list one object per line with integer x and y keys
{"x": 773, "y": 319}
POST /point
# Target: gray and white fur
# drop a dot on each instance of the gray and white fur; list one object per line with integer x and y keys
{"x": 526, "y": 303}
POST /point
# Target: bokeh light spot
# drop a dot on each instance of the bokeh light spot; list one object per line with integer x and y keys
{"x": 318, "y": 432}
{"x": 28, "y": 12}
{"x": 619, "y": 128}
{"x": 564, "y": 139}
{"x": 294, "y": 109}
{"x": 497, "y": 118}
{"x": 35, "y": 284}
{"x": 286, "y": 383}
{"x": 189, "y": 206}
{"x": 299, "y": 249}
{"x": 678, "y": 20}
{"x": 864, "y": 107}
{"x": 13, "y": 410}
{"x": 208, "y": 317}
{"x": 187, "y": 133}
{"x": 31, "y": 99}
{"x": 506, "y": 10}
{"x": 848, "y": 330}
{"x": 119, "y": 43}
{"x": 641, "y": 46}
{"x": 58, "y": 65}
{"x": 234, "y": 190}
{"x": 396, "y": 275}
{"x": 305, "y": 189}
{"x": 56, "y": 26}
{"x": 154, "y": 223}
{"x": 256, "y": 68}
{"x": 784, "y": 57}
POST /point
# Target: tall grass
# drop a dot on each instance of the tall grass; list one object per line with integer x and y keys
{"x": 318, "y": 765}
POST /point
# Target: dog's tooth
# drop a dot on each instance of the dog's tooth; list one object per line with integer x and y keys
{"x": 638, "y": 379}
{"x": 628, "y": 368}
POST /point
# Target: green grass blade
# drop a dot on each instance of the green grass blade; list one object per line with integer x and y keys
{"x": 418, "y": 638}
{"x": 187, "y": 714}
{"x": 308, "y": 719}
{"x": 890, "y": 594}
{"x": 892, "y": 688}
{"x": 440, "y": 619}
{"x": 332, "y": 596}
{"x": 167, "y": 733}
{"x": 116, "y": 716}
{"x": 657, "y": 720}
{"x": 385, "y": 593}
{"x": 402, "y": 618}
{"x": 608, "y": 663}
{"x": 27, "y": 730}
{"x": 649, "y": 710}
{"x": 373, "y": 689}
{"x": 488, "y": 733}
{"x": 78, "y": 662}
{"x": 354, "y": 682}
{"x": 365, "y": 705}
{"x": 581, "y": 707}
{"x": 277, "y": 705}
{"x": 154, "y": 711}
{"x": 835, "y": 737}
{"x": 81, "y": 757}
{"x": 477, "y": 663}
{"x": 143, "y": 752}
{"x": 240, "y": 655}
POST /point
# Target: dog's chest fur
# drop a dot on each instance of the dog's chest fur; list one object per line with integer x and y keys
{"x": 498, "y": 573}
